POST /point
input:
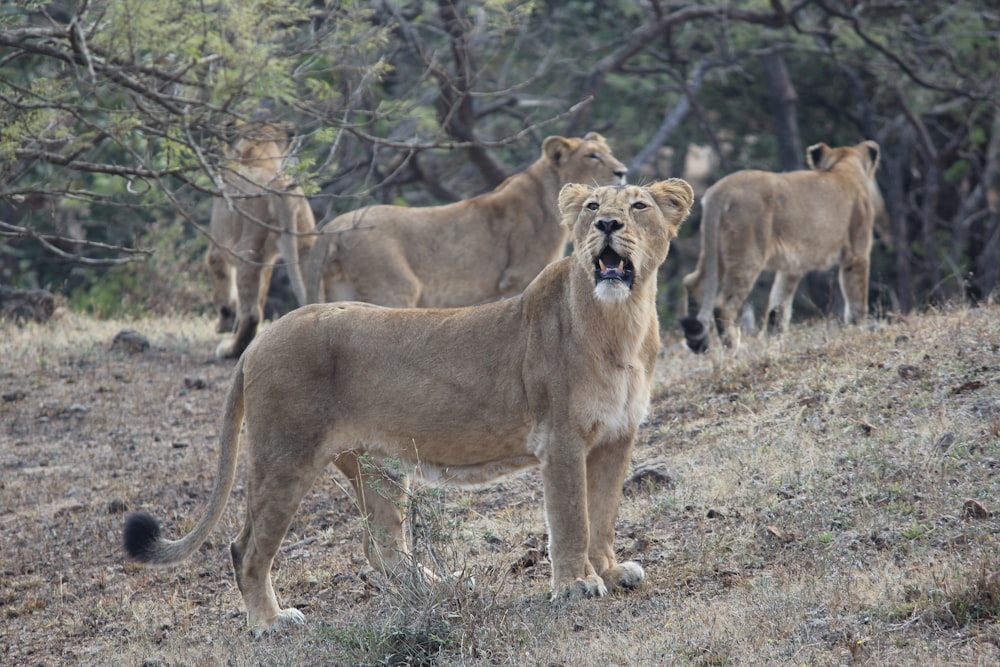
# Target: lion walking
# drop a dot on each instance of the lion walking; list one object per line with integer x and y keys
{"x": 789, "y": 223}
{"x": 261, "y": 215}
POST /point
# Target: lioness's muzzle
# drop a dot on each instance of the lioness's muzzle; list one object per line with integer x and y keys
{"x": 609, "y": 265}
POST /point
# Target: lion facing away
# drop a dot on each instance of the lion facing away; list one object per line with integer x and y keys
{"x": 468, "y": 252}
{"x": 260, "y": 216}
{"x": 790, "y": 223}
{"x": 558, "y": 377}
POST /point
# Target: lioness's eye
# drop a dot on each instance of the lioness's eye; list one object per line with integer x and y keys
{"x": 639, "y": 205}
{"x": 594, "y": 156}
{"x": 592, "y": 206}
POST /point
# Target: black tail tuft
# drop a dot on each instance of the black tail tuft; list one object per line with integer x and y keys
{"x": 695, "y": 334}
{"x": 141, "y": 532}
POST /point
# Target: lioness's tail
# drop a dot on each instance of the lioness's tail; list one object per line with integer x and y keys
{"x": 697, "y": 329}
{"x": 142, "y": 538}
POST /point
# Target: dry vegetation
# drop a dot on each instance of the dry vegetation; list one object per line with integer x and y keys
{"x": 829, "y": 498}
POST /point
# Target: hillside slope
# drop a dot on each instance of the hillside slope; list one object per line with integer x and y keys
{"x": 827, "y": 498}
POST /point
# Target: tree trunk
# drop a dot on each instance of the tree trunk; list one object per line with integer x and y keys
{"x": 895, "y": 160}
{"x": 783, "y": 107}
{"x": 988, "y": 262}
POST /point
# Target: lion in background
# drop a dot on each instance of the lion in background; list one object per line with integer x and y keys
{"x": 260, "y": 215}
{"x": 790, "y": 223}
{"x": 459, "y": 254}
{"x": 558, "y": 376}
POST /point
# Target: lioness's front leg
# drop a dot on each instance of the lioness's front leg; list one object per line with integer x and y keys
{"x": 564, "y": 481}
{"x": 252, "y": 282}
{"x": 607, "y": 465}
{"x": 220, "y": 276}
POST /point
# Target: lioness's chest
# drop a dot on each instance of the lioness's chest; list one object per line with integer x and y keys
{"x": 615, "y": 403}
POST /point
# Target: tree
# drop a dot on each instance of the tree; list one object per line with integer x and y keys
{"x": 113, "y": 111}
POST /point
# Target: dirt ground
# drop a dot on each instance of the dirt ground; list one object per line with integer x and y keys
{"x": 830, "y": 498}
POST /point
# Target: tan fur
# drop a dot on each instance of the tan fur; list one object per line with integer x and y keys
{"x": 789, "y": 223}
{"x": 558, "y": 376}
{"x": 262, "y": 215}
{"x": 460, "y": 254}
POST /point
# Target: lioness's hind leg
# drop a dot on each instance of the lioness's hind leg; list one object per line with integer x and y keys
{"x": 779, "y": 302}
{"x": 275, "y": 489}
{"x": 727, "y": 308}
{"x": 381, "y": 498}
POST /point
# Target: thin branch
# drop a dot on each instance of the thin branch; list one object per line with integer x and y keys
{"x": 46, "y": 241}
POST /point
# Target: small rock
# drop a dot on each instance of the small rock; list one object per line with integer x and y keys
{"x": 22, "y": 306}
{"x": 195, "y": 383}
{"x": 973, "y": 509}
{"x": 130, "y": 341}
{"x": 647, "y": 475}
{"x": 530, "y": 559}
{"x": 14, "y": 396}
{"x": 117, "y": 506}
{"x": 908, "y": 372}
{"x": 945, "y": 442}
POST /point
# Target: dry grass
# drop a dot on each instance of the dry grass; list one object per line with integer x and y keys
{"x": 825, "y": 507}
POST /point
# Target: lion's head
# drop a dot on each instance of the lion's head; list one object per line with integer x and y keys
{"x": 588, "y": 160}
{"x": 260, "y": 145}
{"x": 823, "y": 158}
{"x": 624, "y": 231}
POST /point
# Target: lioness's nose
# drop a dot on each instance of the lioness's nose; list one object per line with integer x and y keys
{"x": 608, "y": 225}
{"x": 620, "y": 173}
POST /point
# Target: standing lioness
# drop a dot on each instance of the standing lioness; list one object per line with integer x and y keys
{"x": 558, "y": 377}
{"x": 259, "y": 215}
{"x": 789, "y": 223}
{"x": 459, "y": 254}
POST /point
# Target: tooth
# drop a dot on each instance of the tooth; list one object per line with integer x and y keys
{"x": 621, "y": 266}
{"x": 601, "y": 262}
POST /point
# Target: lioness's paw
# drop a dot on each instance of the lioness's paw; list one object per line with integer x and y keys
{"x": 224, "y": 350}
{"x": 285, "y": 617}
{"x": 591, "y": 586}
{"x": 624, "y": 575}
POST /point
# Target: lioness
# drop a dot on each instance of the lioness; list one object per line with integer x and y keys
{"x": 789, "y": 223}
{"x": 459, "y": 254}
{"x": 261, "y": 214}
{"x": 558, "y": 376}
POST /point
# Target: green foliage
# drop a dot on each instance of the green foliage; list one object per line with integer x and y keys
{"x": 171, "y": 281}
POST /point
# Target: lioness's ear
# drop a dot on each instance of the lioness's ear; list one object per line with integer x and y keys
{"x": 674, "y": 197}
{"x": 571, "y": 198}
{"x": 872, "y": 149}
{"x": 594, "y": 136}
{"x": 815, "y": 153}
{"x": 556, "y": 148}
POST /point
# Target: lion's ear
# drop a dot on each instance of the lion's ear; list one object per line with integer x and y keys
{"x": 674, "y": 197}
{"x": 872, "y": 150}
{"x": 815, "y": 154}
{"x": 556, "y": 149}
{"x": 571, "y": 198}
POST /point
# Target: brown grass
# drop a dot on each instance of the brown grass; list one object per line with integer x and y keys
{"x": 832, "y": 499}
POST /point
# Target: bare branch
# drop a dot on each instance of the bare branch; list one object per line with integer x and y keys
{"x": 47, "y": 240}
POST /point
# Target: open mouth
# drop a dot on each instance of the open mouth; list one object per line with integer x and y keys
{"x": 609, "y": 265}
